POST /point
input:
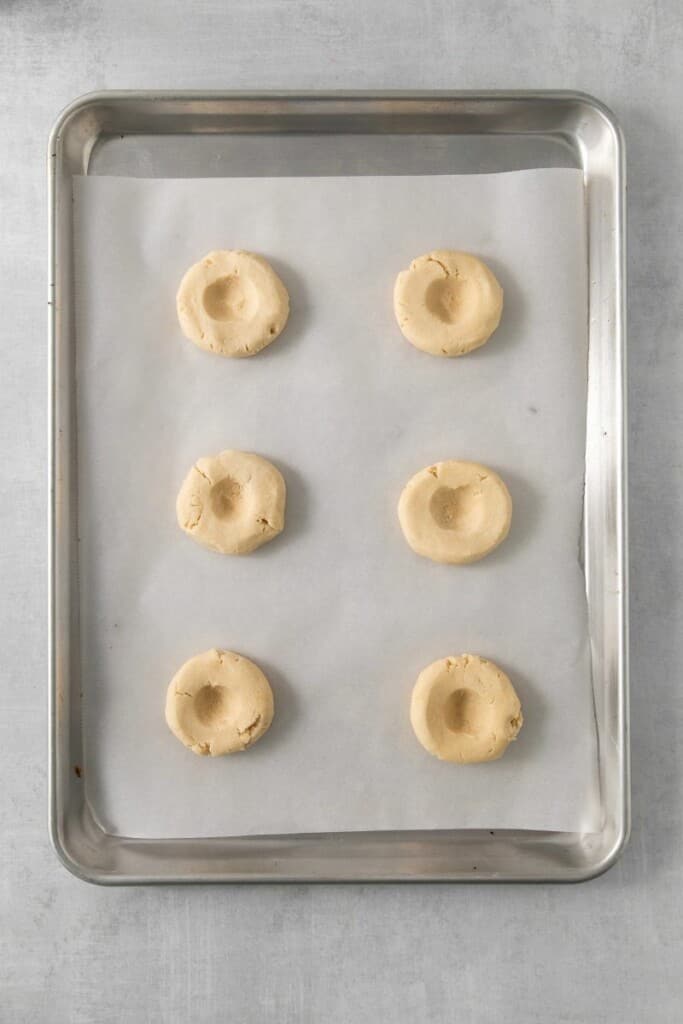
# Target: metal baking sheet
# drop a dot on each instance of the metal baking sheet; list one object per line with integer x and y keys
{"x": 197, "y": 136}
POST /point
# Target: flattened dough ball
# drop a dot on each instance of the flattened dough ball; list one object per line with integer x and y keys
{"x": 465, "y": 710}
{"x": 219, "y": 703}
{"x": 232, "y": 303}
{"x": 455, "y": 512}
{"x": 447, "y": 303}
{"x": 232, "y": 502}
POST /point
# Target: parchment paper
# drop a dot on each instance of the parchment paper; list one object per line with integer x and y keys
{"x": 338, "y": 610}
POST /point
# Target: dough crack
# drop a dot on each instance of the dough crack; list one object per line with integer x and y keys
{"x": 251, "y": 726}
{"x": 433, "y": 259}
{"x": 192, "y": 524}
{"x": 248, "y": 730}
{"x": 201, "y": 748}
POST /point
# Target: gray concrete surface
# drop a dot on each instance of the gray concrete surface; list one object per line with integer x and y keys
{"x": 608, "y": 951}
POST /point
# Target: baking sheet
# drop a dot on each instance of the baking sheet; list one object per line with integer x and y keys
{"x": 338, "y": 610}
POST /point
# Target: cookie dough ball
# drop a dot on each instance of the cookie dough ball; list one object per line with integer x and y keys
{"x": 232, "y": 303}
{"x": 447, "y": 303}
{"x": 465, "y": 710}
{"x": 232, "y": 502}
{"x": 455, "y": 512}
{"x": 219, "y": 703}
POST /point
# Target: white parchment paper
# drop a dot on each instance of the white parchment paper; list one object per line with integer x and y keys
{"x": 338, "y": 610}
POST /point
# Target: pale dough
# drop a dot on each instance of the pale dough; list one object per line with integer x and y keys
{"x": 232, "y": 303}
{"x": 232, "y": 502}
{"x": 218, "y": 703}
{"x": 465, "y": 710}
{"x": 447, "y": 303}
{"x": 455, "y": 512}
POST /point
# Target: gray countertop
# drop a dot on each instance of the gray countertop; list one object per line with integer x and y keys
{"x": 606, "y": 951}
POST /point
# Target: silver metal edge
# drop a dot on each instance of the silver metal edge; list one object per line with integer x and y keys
{"x": 82, "y": 103}
{"x": 624, "y": 830}
{"x": 51, "y": 524}
{"x": 54, "y": 820}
